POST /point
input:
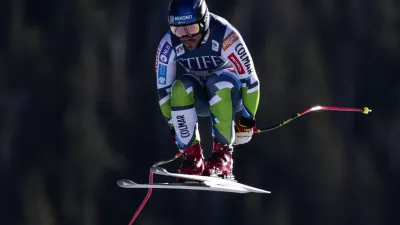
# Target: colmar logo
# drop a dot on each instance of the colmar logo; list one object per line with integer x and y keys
{"x": 244, "y": 57}
{"x": 236, "y": 62}
{"x": 182, "y": 126}
{"x": 229, "y": 40}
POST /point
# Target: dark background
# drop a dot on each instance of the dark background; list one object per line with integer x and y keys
{"x": 79, "y": 111}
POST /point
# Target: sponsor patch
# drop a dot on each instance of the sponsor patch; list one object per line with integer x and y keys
{"x": 202, "y": 62}
{"x": 162, "y": 74}
{"x": 182, "y": 126}
{"x": 215, "y": 45}
{"x": 180, "y": 19}
{"x": 232, "y": 57}
{"x": 180, "y": 50}
{"x": 229, "y": 40}
{"x": 165, "y": 53}
{"x": 241, "y": 51}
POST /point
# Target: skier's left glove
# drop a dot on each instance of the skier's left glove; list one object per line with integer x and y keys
{"x": 244, "y": 129}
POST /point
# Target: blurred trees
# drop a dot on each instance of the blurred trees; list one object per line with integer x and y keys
{"x": 79, "y": 111}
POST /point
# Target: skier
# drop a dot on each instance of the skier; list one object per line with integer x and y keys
{"x": 220, "y": 81}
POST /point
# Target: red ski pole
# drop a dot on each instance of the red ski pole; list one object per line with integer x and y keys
{"x": 150, "y": 189}
{"x": 364, "y": 110}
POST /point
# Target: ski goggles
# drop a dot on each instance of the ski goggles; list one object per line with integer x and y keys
{"x": 188, "y": 30}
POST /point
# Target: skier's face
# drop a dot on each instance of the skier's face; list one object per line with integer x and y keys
{"x": 190, "y": 35}
{"x": 191, "y": 42}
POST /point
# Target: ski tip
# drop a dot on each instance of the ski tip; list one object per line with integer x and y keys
{"x": 259, "y": 191}
{"x": 125, "y": 182}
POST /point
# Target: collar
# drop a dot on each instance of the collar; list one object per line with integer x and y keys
{"x": 206, "y": 36}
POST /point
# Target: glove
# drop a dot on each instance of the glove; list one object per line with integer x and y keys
{"x": 244, "y": 129}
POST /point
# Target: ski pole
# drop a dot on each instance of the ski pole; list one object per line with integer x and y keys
{"x": 364, "y": 110}
{"x": 150, "y": 189}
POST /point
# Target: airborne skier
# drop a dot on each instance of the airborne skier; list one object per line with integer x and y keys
{"x": 221, "y": 81}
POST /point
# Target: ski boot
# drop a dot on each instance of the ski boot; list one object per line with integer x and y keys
{"x": 193, "y": 162}
{"x": 220, "y": 163}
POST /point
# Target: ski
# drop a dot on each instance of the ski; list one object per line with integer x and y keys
{"x": 208, "y": 180}
{"x": 207, "y": 183}
{"x": 183, "y": 186}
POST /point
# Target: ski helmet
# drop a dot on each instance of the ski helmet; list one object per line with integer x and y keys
{"x": 188, "y": 12}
